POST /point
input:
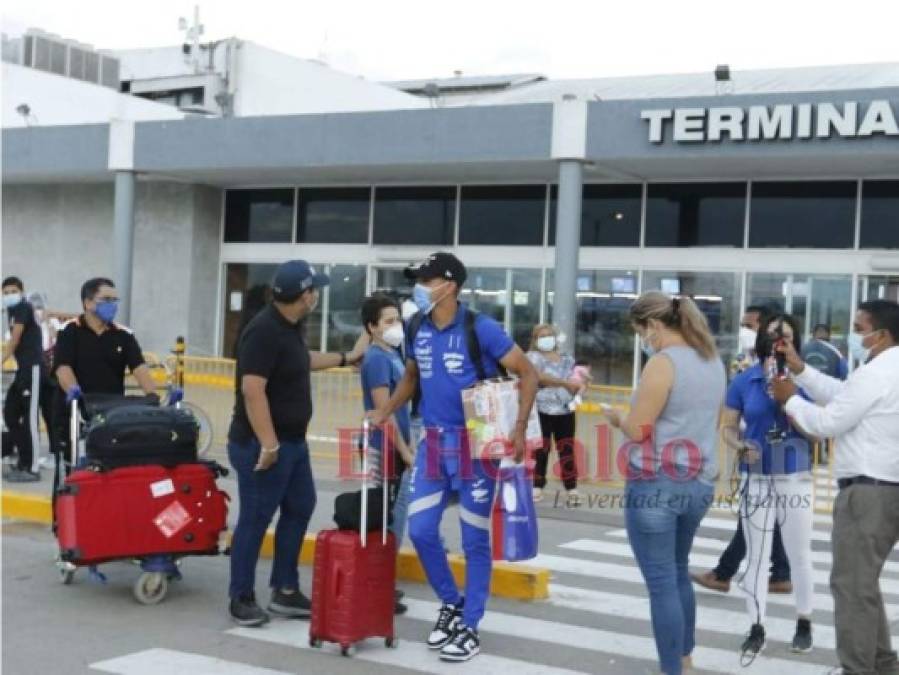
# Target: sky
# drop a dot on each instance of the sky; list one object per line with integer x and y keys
{"x": 399, "y": 39}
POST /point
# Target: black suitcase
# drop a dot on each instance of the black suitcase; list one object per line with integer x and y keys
{"x": 137, "y": 435}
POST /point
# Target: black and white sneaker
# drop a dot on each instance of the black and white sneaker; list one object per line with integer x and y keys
{"x": 802, "y": 641}
{"x": 246, "y": 612}
{"x": 753, "y": 644}
{"x": 294, "y": 605}
{"x": 464, "y": 645}
{"x": 445, "y": 627}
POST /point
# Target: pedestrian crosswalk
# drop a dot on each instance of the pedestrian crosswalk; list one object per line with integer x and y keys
{"x": 597, "y": 618}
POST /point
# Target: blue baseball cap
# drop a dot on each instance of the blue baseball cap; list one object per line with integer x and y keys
{"x": 296, "y": 276}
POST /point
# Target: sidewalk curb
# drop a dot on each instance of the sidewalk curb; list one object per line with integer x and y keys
{"x": 510, "y": 580}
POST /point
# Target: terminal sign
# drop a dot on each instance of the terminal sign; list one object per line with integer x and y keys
{"x": 769, "y": 123}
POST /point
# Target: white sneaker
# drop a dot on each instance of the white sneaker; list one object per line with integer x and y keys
{"x": 445, "y": 628}
{"x": 538, "y": 494}
{"x": 464, "y": 645}
{"x": 574, "y": 499}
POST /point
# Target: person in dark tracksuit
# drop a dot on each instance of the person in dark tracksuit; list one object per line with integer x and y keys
{"x": 20, "y": 408}
{"x": 267, "y": 442}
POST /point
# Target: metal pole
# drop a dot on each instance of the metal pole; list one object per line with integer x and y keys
{"x": 568, "y": 239}
{"x": 123, "y": 240}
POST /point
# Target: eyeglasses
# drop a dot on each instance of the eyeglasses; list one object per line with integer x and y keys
{"x": 106, "y": 298}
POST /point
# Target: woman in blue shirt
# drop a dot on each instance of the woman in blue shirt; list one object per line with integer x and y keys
{"x": 381, "y": 370}
{"x": 776, "y": 485}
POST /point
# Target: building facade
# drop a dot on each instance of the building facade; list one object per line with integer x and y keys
{"x": 788, "y": 199}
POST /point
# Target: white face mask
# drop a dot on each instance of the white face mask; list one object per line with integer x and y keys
{"x": 546, "y": 343}
{"x": 10, "y": 300}
{"x": 393, "y": 335}
{"x": 857, "y": 347}
{"x": 747, "y": 340}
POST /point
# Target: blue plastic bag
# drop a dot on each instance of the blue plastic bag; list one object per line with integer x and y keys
{"x": 514, "y": 514}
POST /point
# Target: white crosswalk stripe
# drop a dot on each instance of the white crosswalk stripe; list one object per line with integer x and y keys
{"x": 717, "y": 546}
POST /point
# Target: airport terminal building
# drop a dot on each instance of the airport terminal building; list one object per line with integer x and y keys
{"x": 772, "y": 187}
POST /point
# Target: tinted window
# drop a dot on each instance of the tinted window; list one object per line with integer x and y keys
{"x": 880, "y": 214}
{"x": 264, "y": 216}
{"x": 610, "y": 215}
{"x": 333, "y": 215}
{"x": 803, "y": 215}
{"x": 503, "y": 215}
{"x": 695, "y": 214}
{"x": 419, "y": 215}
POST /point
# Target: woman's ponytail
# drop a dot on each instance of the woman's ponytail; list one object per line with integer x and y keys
{"x": 680, "y": 314}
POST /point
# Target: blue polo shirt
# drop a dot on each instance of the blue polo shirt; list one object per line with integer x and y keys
{"x": 748, "y": 394}
{"x": 445, "y": 367}
{"x": 383, "y": 368}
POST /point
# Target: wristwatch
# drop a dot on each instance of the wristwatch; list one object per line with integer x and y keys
{"x": 342, "y": 359}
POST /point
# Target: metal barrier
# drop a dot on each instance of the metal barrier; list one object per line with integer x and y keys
{"x": 337, "y": 404}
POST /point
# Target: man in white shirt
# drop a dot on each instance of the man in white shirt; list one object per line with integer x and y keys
{"x": 862, "y": 414}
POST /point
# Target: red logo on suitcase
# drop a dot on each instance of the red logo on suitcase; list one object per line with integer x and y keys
{"x": 172, "y": 519}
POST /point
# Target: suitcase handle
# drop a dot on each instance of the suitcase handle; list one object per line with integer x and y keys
{"x": 74, "y": 428}
{"x": 363, "y": 521}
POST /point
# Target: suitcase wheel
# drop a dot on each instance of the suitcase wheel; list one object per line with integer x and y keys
{"x": 151, "y": 587}
{"x": 315, "y": 642}
{"x": 347, "y": 650}
{"x": 66, "y": 572}
{"x": 392, "y": 642}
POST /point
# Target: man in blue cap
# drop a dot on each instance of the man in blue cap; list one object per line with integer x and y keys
{"x": 267, "y": 441}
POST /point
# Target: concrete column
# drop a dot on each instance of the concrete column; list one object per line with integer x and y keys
{"x": 568, "y": 241}
{"x": 123, "y": 240}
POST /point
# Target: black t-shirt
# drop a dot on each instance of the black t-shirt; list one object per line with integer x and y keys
{"x": 99, "y": 361}
{"x": 272, "y": 347}
{"x": 28, "y": 351}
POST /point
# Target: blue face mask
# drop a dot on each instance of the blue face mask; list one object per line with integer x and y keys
{"x": 422, "y": 297}
{"x": 106, "y": 311}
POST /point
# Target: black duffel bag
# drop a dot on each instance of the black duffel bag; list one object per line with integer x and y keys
{"x": 348, "y": 510}
{"x": 141, "y": 434}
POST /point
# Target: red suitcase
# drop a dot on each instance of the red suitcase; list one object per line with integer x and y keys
{"x": 354, "y": 579}
{"x": 138, "y": 511}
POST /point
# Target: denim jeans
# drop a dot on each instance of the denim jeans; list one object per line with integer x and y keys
{"x": 662, "y": 516}
{"x": 287, "y": 485}
{"x": 401, "y": 508}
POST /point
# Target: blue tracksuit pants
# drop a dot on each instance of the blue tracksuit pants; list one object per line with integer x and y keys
{"x": 434, "y": 477}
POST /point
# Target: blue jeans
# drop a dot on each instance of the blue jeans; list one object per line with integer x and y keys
{"x": 662, "y": 516}
{"x": 287, "y": 485}
{"x": 401, "y": 508}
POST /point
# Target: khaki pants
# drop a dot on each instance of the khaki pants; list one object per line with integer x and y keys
{"x": 865, "y": 529}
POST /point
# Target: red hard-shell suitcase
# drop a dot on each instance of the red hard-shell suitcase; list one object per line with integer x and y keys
{"x": 139, "y": 511}
{"x": 354, "y": 579}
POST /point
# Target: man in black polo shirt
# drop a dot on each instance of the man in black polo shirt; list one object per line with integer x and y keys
{"x": 20, "y": 407}
{"x": 267, "y": 441}
{"x": 92, "y": 353}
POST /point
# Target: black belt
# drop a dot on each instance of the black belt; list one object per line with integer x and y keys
{"x": 864, "y": 480}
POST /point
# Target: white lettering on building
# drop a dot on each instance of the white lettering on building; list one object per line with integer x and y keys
{"x": 763, "y": 123}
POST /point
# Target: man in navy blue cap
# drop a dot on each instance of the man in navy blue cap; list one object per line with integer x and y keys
{"x": 267, "y": 441}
